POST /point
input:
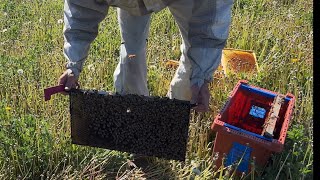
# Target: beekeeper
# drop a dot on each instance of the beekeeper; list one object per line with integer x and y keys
{"x": 203, "y": 25}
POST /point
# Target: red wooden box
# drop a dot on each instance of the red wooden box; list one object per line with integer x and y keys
{"x": 238, "y": 127}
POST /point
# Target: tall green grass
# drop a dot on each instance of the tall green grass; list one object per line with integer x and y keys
{"x": 35, "y": 135}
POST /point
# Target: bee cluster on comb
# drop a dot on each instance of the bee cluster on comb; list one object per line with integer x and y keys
{"x": 152, "y": 126}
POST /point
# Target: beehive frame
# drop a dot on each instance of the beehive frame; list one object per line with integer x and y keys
{"x": 152, "y": 126}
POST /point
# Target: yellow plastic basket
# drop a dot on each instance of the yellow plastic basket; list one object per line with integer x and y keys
{"x": 238, "y": 61}
{"x": 232, "y": 61}
{"x": 218, "y": 73}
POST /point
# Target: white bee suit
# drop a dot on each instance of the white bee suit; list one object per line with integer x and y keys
{"x": 203, "y": 24}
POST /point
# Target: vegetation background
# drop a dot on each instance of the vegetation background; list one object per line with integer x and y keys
{"x": 35, "y": 135}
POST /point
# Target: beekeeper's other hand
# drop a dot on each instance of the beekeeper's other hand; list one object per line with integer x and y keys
{"x": 200, "y": 97}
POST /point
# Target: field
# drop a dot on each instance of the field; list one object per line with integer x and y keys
{"x": 35, "y": 135}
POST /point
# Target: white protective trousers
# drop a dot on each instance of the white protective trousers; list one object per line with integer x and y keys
{"x": 131, "y": 73}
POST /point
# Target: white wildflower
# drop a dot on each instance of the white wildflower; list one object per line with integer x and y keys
{"x": 91, "y": 67}
{"x": 20, "y": 71}
{"x": 27, "y": 23}
{"x": 290, "y": 16}
{"x": 4, "y": 30}
{"x": 274, "y": 3}
{"x": 153, "y": 66}
{"x": 5, "y": 14}
{"x": 60, "y": 21}
{"x": 40, "y": 20}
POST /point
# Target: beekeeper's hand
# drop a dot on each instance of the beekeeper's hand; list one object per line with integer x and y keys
{"x": 200, "y": 97}
{"x": 69, "y": 80}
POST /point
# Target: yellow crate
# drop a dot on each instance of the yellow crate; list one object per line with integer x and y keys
{"x": 238, "y": 61}
{"x": 232, "y": 61}
{"x": 217, "y": 74}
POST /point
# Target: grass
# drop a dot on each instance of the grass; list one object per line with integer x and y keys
{"x": 35, "y": 135}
